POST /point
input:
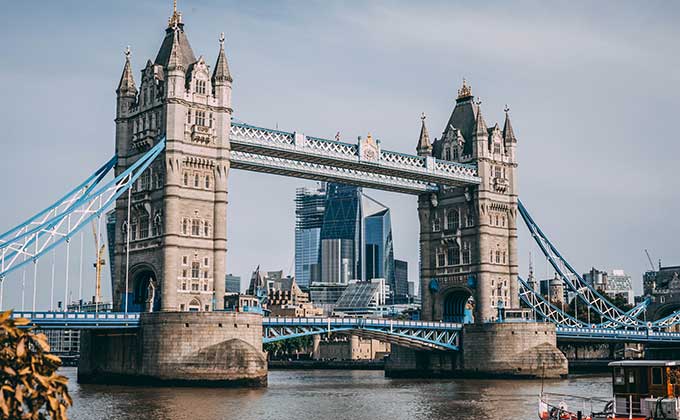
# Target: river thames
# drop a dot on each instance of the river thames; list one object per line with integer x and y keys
{"x": 330, "y": 395}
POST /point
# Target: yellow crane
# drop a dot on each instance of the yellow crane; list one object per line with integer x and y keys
{"x": 99, "y": 251}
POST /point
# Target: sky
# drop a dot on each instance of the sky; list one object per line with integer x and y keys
{"x": 593, "y": 90}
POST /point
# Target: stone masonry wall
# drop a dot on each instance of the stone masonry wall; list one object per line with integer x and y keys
{"x": 185, "y": 348}
{"x": 512, "y": 349}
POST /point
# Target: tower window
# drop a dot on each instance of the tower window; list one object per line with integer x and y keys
{"x": 452, "y": 219}
{"x": 447, "y": 154}
{"x": 186, "y": 179}
{"x": 195, "y": 270}
{"x": 200, "y": 86}
{"x": 185, "y": 230}
{"x": 205, "y": 261}
{"x": 145, "y": 180}
{"x": 466, "y": 253}
{"x": 498, "y": 257}
{"x": 143, "y": 226}
{"x": 200, "y": 118}
{"x": 436, "y": 227}
{"x": 455, "y": 153}
{"x": 133, "y": 229}
{"x": 207, "y": 182}
{"x": 206, "y": 232}
{"x": 441, "y": 258}
{"x": 195, "y": 227}
{"x": 188, "y": 116}
{"x": 453, "y": 255}
{"x": 196, "y": 181}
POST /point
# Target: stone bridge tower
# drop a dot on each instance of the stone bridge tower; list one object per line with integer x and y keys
{"x": 178, "y": 207}
{"x": 468, "y": 235}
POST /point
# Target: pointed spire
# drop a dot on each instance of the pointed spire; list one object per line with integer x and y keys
{"x": 508, "y": 134}
{"x": 127, "y": 87}
{"x": 424, "y": 147}
{"x": 221, "y": 73}
{"x": 480, "y": 126}
{"x": 175, "y": 59}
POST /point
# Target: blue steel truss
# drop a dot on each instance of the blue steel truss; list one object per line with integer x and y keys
{"x": 60, "y": 222}
{"x": 421, "y": 335}
{"x": 79, "y": 320}
{"x": 585, "y": 292}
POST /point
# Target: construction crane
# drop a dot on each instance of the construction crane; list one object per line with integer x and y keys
{"x": 649, "y": 259}
{"x": 99, "y": 252}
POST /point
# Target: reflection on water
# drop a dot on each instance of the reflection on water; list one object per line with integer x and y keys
{"x": 329, "y": 395}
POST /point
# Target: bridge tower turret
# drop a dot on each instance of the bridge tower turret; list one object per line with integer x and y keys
{"x": 178, "y": 208}
{"x": 468, "y": 235}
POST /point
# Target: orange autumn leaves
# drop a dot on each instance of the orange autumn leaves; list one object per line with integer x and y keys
{"x": 30, "y": 388}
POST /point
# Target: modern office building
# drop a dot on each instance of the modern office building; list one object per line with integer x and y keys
{"x": 341, "y": 235}
{"x": 616, "y": 283}
{"x": 310, "y": 206}
{"x": 362, "y": 298}
{"x": 401, "y": 287}
{"x": 232, "y": 283}
{"x": 378, "y": 247}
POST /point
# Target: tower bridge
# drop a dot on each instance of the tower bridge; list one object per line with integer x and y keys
{"x": 176, "y": 142}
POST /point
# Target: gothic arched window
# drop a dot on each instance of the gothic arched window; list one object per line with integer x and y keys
{"x": 447, "y": 154}
{"x": 195, "y": 270}
{"x": 195, "y": 227}
{"x": 185, "y": 227}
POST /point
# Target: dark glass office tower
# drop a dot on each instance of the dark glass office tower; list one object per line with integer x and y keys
{"x": 341, "y": 235}
{"x": 309, "y": 215}
{"x": 379, "y": 250}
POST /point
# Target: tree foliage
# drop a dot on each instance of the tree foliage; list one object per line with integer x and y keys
{"x": 30, "y": 388}
{"x": 288, "y": 347}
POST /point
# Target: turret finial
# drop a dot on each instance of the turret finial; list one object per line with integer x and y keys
{"x": 506, "y": 109}
{"x": 465, "y": 91}
{"x": 422, "y": 117}
{"x": 127, "y": 52}
{"x": 176, "y": 18}
{"x": 221, "y": 39}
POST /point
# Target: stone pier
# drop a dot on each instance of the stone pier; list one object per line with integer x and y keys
{"x": 520, "y": 350}
{"x": 178, "y": 348}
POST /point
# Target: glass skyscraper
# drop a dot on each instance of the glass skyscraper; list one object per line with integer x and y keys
{"x": 309, "y": 215}
{"x": 341, "y": 235}
{"x": 337, "y": 228}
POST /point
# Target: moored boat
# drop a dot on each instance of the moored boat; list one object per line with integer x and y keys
{"x": 642, "y": 390}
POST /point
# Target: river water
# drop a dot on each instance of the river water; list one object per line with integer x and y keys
{"x": 329, "y": 395}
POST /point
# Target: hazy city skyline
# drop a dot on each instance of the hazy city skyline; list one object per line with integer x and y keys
{"x": 592, "y": 101}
